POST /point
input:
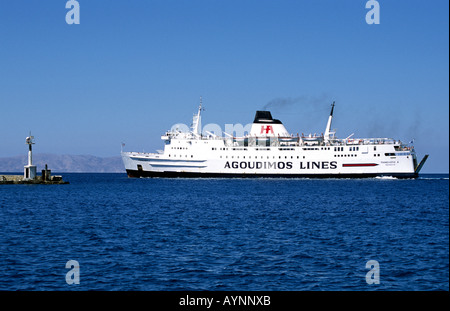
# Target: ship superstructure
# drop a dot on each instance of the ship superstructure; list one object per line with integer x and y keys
{"x": 268, "y": 150}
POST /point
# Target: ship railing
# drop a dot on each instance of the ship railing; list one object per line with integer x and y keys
{"x": 262, "y": 141}
{"x": 275, "y": 141}
{"x": 364, "y": 141}
{"x": 378, "y": 141}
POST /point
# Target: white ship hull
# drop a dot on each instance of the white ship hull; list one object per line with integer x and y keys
{"x": 201, "y": 162}
{"x": 273, "y": 156}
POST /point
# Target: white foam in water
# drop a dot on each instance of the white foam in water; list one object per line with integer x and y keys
{"x": 386, "y": 177}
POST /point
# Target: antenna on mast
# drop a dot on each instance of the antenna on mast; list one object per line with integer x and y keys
{"x": 196, "y": 121}
{"x": 328, "y": 132}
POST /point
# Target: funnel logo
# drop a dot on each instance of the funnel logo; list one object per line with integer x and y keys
{"x": 266, "y": 129}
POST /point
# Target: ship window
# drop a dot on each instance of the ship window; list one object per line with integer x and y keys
{"x": 374, "y": 148}
{"x": 139, "y": 167}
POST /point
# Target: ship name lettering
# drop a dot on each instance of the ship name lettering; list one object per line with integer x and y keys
{"x": 258, "y": 165}
{"x": 324, "y": 165}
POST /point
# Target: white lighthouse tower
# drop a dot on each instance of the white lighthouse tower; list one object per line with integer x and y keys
{"x": 29, "y": 169}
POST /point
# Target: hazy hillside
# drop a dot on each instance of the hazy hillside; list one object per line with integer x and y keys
{"x": 65, "y": 163}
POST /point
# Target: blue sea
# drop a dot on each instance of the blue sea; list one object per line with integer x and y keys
{"x": 226, "y": 234}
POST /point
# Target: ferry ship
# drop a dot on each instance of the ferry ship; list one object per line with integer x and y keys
{"x": 268, "y": 150}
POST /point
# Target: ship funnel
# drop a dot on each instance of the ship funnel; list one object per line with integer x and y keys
{"x": 265, "y": 125}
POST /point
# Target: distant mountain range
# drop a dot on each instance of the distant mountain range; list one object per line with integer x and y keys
{"x": 64, "y": 163}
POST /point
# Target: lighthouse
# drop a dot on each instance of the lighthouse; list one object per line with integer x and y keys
{"x": 29, "y": 169}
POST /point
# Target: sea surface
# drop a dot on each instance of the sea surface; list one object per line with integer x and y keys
{"x": 225, "y": 234}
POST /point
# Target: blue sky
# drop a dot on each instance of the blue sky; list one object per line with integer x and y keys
{"x": 131, "y": 69}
